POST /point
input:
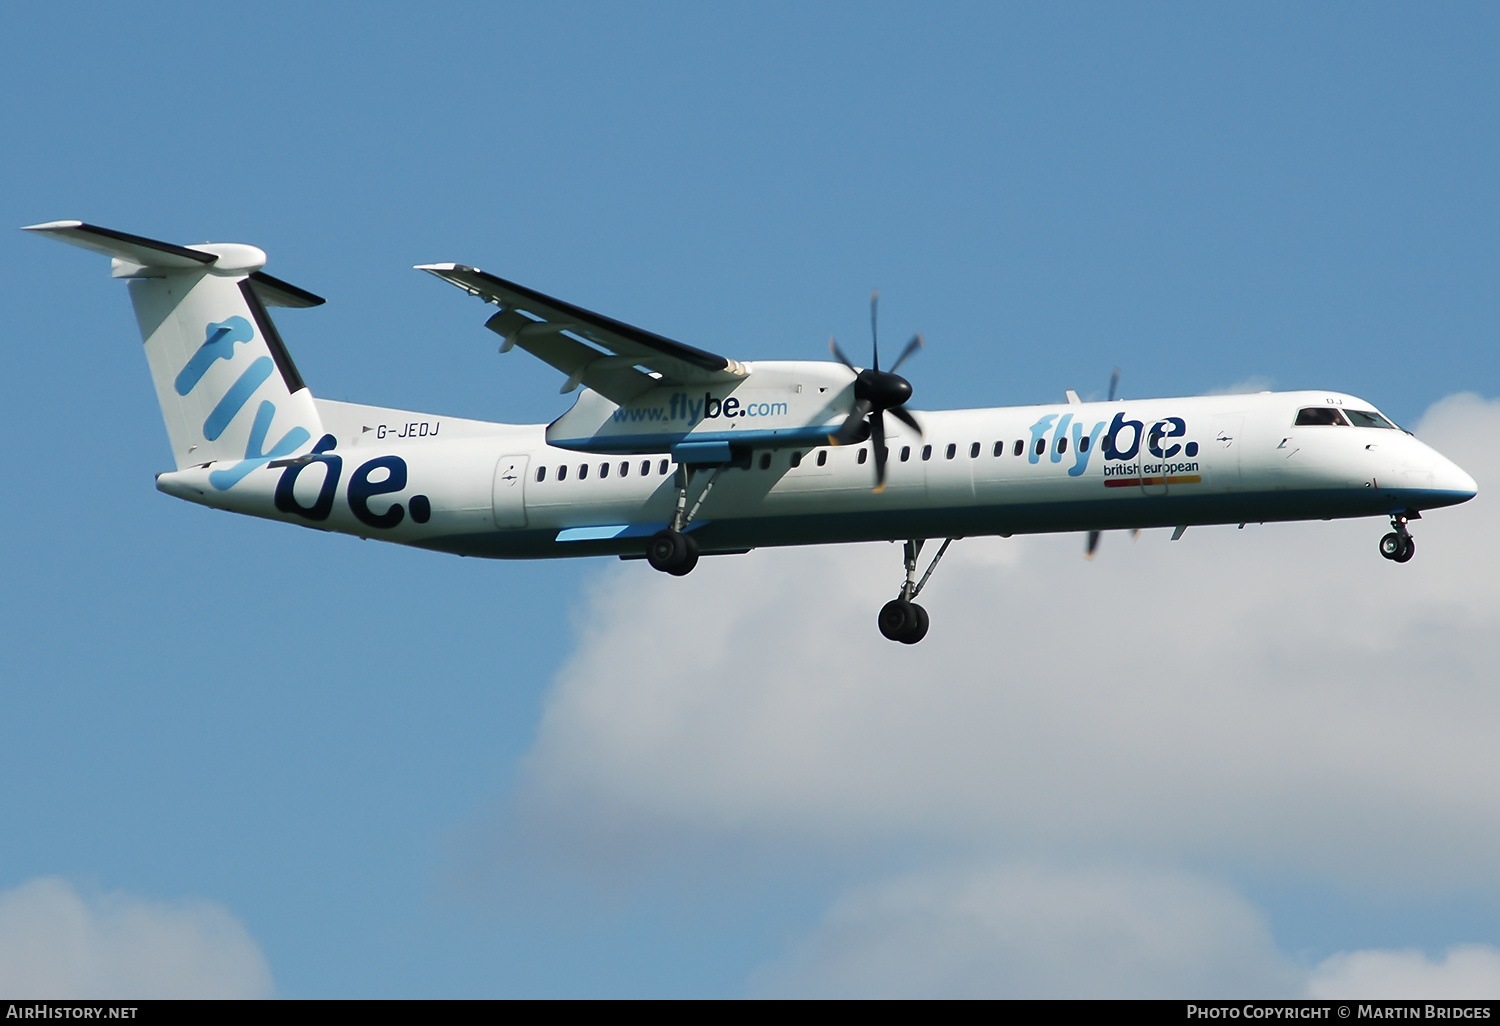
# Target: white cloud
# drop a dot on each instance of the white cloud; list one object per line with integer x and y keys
{"x": 1466, "y": 972}
{"x": 1278, "y": 696}
{"x": 56, "y": 944}
{"x": 1280, "y": 691}
{"x": 1032, "y": 931}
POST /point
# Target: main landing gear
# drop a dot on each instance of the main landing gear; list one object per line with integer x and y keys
{"x": 1398, "y": 545}
{"x": 901, "y": 619}
{"x": 673, "y": 551}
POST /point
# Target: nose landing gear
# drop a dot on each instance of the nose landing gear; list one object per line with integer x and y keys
{"x": 1398, "y": 546}
{"x": 901, "y": 619}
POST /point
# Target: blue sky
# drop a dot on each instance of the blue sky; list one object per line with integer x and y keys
{"x": 373, "y": 760}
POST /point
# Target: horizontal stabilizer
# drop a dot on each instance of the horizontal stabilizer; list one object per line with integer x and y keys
{"x": 140, "y": 257}
{"x": 275, "y": 292}
{"x": 134, "y": 248}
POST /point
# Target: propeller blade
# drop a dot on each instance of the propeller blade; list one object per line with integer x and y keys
{"x": 1114, "y": 381}
{"x": 907, "y": 419}
{"x": 874, "y": 338}
{"x": 1088, "y": 552}
{"x": 833, "y": 347}
{"x": 911, "y": 347}
{"x": 877, "y": 439}
{"x": 852, "y": 429}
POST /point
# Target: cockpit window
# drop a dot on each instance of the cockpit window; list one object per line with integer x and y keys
{"x": 1368, "y": 418}
{"x": 1320, "y": 415}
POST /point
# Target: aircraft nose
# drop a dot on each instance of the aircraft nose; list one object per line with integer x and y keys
{"x": 1450, "y": 477}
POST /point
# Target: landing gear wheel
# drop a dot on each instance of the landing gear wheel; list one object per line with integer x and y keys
{"x": 1391, "y": 547}
{"x": 919, "y": 629}
{"x": 672, "y": 552}
{"x": 903, "y": 621}
{"x": 1398, "y": 547}
{"x": 894, "y": 616}
{"x": 690, "y": 561}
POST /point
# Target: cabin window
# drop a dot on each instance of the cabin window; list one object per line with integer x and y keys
{"x": 796, "y": 458}
{"x": 885, "y": 454}
{"x": 952, "y": 450}
{"x": 562, "y": 472}
{"x": 822, "y": 457}
{"x": 974, "y": 451}
{"x": 603, "y": 470}
{"x": 1020, "y": 446}
{"x": 864, "y": 454}
{"x": 1368, "y": 418}
{"x": 1083, "y": 444}
{"x": 1062, "y": 445}
{"x": 541, "y": 473}
{"x": 645, "y": 468}
{"x": 1320, "y": 415}
{"x": 1041, "y": 446}
{"x": 624, "y": 468}
{"x": 583, "y": 471}
{"x": 905, "y": 453}
{"x": 665, "y": 466}
{"x": 999, "y": 448}
{"x": 765, "y": 461}
{"x": 927, "y": 452}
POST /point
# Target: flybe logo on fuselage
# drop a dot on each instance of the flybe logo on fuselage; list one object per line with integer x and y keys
{"x": 682, "y": 407}
{"x": 383, "y": 475}
{"x": 1163, "y": 442}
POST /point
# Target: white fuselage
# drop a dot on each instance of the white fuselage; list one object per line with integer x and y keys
{"x": 500, "y": 490}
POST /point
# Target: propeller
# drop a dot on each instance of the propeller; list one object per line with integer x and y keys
{"x": 1093, "y": 542}
{"x": 875, "y": 392}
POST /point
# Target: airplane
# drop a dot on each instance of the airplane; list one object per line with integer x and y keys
{"x": 671, "y": 452}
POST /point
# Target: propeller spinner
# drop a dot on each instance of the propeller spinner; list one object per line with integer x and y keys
{"x": 875, "y": 392}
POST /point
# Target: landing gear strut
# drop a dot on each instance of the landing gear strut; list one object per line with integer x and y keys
{"x": 901, "y": 619}
{"x": 1398, "y": 545}
{"x": 673, "y": 551}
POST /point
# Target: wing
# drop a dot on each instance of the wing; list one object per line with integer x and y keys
{"x": 613, "y": 358}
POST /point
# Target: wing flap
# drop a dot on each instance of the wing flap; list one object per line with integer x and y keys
{"x": 614, "y": 377}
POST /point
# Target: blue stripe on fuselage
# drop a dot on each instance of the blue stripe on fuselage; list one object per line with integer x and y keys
{"x": 930, "y": 522}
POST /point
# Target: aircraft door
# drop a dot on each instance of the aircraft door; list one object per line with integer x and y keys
{"x": 508, "y": 496}
{"x": 1223, "y": 451}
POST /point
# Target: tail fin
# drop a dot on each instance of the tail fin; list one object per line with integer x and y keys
{"x": 228, "y": 389}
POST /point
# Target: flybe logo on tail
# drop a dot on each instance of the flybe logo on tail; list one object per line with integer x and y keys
{"x": 219, "y": 344}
